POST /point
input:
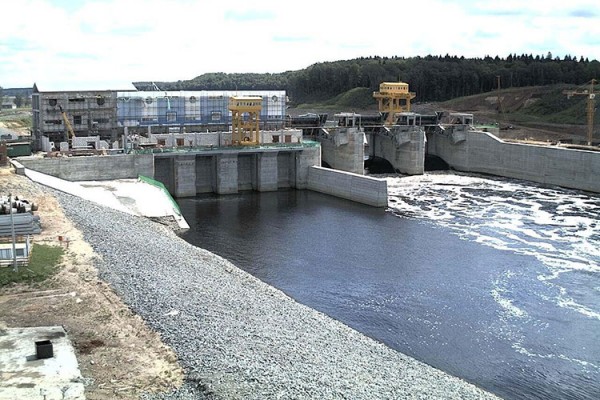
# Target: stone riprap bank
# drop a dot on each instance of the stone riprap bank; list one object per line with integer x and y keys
{"x": 237, "y": 337}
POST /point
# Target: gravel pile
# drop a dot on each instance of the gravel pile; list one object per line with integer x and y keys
{"x": 237, "y": 337}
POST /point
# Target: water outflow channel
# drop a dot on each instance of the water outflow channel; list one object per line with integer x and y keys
{"x": 492, "y": 280}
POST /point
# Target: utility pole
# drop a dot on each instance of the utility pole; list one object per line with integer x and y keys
{"x": 12, "y": 230}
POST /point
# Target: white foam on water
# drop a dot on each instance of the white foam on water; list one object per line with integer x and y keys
{"x": 521, "y": 349}
{"x": 559, "y": 227}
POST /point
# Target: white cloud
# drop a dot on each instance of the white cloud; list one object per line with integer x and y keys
{"x": 108, "y": 43}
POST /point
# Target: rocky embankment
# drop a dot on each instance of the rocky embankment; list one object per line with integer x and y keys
{"x": 237, "y": 337}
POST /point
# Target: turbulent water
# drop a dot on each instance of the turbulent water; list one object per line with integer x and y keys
{"x": 492, "y": 280}
{"x": 558, "y": 227}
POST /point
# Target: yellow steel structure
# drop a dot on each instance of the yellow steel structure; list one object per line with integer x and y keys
{"x": 245, "y": 115}
{"x": 591, "y": 107}
{"x": 393, "y": 98}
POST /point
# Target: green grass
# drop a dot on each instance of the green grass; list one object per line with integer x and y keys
{"x": 354, "y": 99}
{"x": 42, "y": 265}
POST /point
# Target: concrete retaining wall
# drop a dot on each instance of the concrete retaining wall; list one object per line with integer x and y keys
{"x": 485, "y": 153}
{"x": 92, "y": 168}
{"x": 359, "y": 188}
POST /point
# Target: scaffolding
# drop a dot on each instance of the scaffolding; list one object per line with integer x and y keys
{"x": 201, "y": 108}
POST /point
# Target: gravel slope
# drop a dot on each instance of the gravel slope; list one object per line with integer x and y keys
{"x": 237, "y": 337}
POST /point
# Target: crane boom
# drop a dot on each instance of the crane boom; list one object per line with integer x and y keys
{"x": 71, "y": 133}
{"x": 591, "y": 107}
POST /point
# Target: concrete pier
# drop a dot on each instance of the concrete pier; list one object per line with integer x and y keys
{"x": 343, "y": 148}
{"x": 403, "y": 146}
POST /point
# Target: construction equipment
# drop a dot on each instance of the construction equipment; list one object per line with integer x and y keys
{"x": 245, "y": 120}
{"x": 393, "y": 98}
{"x": 70, "y": 132}
{"x": 591, "y": 107}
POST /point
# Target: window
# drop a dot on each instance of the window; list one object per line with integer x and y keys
{"x": 77, "y": 120}
{"x": 77, "y": 100}
{"x": 20, "y": 252}
{"x": 148, "y": 100}
{"x": 192, "y": 99}
{"x": 288, "y": 138}
{"x": 179, "y": 142}
{"x": 161, "y": 142}
{"x": 171, "y": 116}
{"x": 215, "y": 115}
{"x": 53, "y": 122}
{"x": 275, "y": 138}
{"x": 100, "y": 101}
{"x": 52, "y": 102}
{"x": 5, "y": 254}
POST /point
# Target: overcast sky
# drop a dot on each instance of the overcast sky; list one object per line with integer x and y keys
{"x": 106, "y": 44}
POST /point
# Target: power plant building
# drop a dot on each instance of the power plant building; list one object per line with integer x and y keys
{"x": 105, "y": 113}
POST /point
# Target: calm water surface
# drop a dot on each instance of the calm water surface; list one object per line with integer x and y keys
{"x": 491, "y": 280}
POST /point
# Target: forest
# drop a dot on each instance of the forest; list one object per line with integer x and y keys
{"x": 433, "y": 78}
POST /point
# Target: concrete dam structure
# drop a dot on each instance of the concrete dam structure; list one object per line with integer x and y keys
{"x": 356, "y": 138}
{"x": 227, "y": 171}
{"x": 466, "y": 149}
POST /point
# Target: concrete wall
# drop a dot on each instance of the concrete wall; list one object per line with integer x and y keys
{"x": 91, "y": 168}
{"x": 343, "y": 149}
{"x": 473, "y": 151}
{"x": 359, "y": 188}
{"x": 403, "y": 146}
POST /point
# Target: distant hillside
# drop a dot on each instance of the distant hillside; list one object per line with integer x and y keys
{"x": 23, "y": 92}
{"x": 547, "y": 104}
{"x": 433, "y": 78}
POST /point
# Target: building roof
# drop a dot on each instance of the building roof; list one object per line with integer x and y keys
{"x": 78, "y": 87}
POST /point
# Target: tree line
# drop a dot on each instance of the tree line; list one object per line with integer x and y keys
{"x": 433, "y": 78}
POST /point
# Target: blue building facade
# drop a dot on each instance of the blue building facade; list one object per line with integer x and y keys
{"x": 147, "y": 108}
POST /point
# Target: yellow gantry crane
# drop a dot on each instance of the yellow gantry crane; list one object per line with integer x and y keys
{"x": 591, "y": 107}
{"x": 245, "y": 114}
{"x": 393, "y": 98}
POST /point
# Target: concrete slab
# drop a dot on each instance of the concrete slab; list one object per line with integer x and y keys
{"x": 23, "y": 376}
{"x": 127, "y": 195}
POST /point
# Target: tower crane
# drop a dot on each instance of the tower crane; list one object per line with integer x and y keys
{"x": 591, "y": 107}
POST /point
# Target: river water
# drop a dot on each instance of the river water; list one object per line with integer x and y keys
{"x": 492, "y": 280}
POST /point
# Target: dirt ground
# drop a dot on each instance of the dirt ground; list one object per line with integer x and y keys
{"x": 119, "y": 356}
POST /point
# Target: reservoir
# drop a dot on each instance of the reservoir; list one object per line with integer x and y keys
{"x": 492, "y": 280}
